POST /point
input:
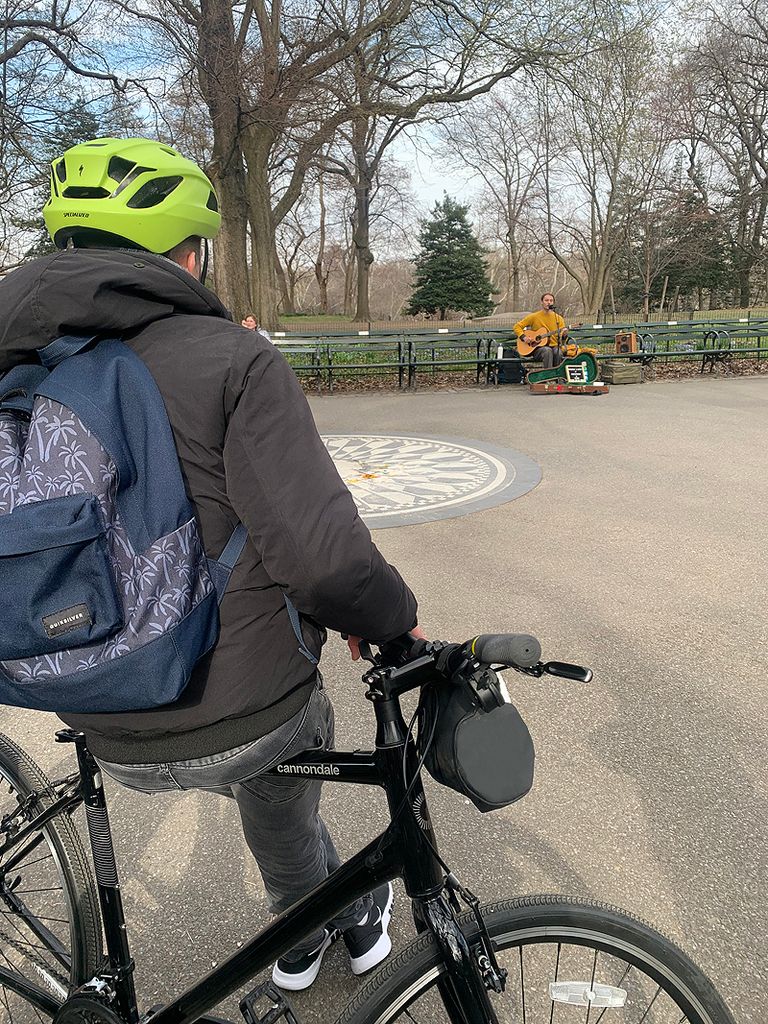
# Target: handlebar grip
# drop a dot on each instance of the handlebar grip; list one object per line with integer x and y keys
{"x": 511, "y": 649}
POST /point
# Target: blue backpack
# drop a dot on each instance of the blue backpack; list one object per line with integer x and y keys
{"x": 107, "y": 599}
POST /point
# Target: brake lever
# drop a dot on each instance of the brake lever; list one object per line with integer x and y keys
{"x": 561, "y": 669}
{"x": 565, "y": 671}
{"x": 366, "y": 653}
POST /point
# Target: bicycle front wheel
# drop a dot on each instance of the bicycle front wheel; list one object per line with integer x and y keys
{"x": 568, "y": 962}
{"x": 50, "y": 925}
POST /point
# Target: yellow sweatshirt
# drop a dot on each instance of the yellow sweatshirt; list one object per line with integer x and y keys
{"x": 545, "y": 318}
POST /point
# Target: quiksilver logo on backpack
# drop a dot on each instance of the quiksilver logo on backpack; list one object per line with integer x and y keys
{"x": 66, "y": 620}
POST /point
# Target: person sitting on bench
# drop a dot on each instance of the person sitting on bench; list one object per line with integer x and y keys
{"x": 550, "y": 354}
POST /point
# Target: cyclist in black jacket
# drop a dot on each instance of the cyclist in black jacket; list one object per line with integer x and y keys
{"x": 249, "y": 451}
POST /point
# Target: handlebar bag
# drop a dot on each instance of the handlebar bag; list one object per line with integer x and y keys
{"x": 487, "y": 756}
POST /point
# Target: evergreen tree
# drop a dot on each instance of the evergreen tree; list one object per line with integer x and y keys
{"x": 78, "y": 121}
{"x": 450, "y": 271}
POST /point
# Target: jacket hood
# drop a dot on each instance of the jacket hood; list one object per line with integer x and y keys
{"x": 93, "y": 291}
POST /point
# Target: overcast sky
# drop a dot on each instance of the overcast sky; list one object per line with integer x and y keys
{"x": 431, "y": 177}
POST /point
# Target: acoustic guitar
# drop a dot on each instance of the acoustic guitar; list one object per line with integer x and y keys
{"x": 533, "y": 338}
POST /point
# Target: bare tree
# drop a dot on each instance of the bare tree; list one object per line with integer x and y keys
{"x": 723, "y": 108}
{"x": 600, "y": 154}
{"x": 499, "y": 140}
{"x": 275, "y": 78}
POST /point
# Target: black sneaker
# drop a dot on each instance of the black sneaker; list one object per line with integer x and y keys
{"x": 296, "y": 973}
{"x": 368, "y": 942}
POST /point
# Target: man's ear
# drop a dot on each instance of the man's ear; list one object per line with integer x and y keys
{"x": 192, "y": 264}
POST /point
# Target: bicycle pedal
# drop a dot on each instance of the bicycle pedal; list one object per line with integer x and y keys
{"x": 267, "y": 993}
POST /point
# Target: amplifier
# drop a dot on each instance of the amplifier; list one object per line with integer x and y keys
{"x": 626, "y": 343}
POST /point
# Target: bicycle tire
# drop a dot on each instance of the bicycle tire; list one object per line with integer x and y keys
{"x": 18, "y": 770}
{"x": 513, "y": 924}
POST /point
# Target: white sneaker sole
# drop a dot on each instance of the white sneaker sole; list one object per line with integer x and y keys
{"x": 383, "y": 947}
{"x": 298, "y": 982}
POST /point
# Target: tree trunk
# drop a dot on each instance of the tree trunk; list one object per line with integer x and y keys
{"x": 320, "y": 277}
{"x": 349, "y": 283}
{"x": 287, "y": 291}
{"x": 664, "y": 293}
{"x": 363, "y": 254}
{"x": 219, "y": 77}
{"x": 744, "y": 286}
{"x": 264, "y": 279}
{"x": 514, "y": 258}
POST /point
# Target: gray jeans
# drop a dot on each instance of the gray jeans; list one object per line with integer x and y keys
{"x": 279, "y": 813}
{"x": 548, "y": 355}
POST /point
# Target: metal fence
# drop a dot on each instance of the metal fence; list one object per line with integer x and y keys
{"x": 406, "y": 358}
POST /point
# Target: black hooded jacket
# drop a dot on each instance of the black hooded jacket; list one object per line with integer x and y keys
{"x": 249, "y": 451}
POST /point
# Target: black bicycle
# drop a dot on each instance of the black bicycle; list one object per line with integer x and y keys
{"x": 534, "y": 959}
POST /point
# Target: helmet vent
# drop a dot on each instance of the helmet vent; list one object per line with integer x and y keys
{"x": 152, "y": 193}
{"x": 82, "y": 192}
{"x": 119, "y": 167}
{"x": 213, "y": 203}
{"x": 132, "y": 174}
{"x": 61, "y": 170}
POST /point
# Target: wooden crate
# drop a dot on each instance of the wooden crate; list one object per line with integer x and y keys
{"x": 621, "y": 371}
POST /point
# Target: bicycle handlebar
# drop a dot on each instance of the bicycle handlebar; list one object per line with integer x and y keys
{"x": 511, "y": 649}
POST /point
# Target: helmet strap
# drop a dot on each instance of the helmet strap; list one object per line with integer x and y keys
{"x": 204, "y": 267}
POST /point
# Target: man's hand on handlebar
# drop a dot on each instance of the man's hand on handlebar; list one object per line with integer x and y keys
{"x": 353, "y": 642}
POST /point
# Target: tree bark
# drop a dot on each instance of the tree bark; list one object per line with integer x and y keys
{"x": 287, "y": 293}
{"x": 219, "y": 76}
{"x": 349, "y": 283}
{"x": 361, "y": 235}
{"x": 320, "y": 276}
{"x": 264, "y": 286}
{"x": 363, "y": 254}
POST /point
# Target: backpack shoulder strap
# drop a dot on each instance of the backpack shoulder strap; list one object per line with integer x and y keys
{"x": 17, "y": 387}
{"x": 221, "y": 567}
{"x": 221, "y": 570}
{"x": 63, "y": 347}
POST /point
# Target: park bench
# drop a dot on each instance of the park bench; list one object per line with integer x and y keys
{"x": 436, "y": 352}
{"x": 373, "y": 356}
{"x": 303, "y": 356}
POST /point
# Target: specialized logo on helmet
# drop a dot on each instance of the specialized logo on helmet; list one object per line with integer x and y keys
{"x": 78, "y": 216}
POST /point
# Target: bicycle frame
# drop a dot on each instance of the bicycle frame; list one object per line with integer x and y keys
{"x": 406, "y": 849}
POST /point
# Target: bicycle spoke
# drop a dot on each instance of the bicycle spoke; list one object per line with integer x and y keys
{"x": 620, "y": 982}
{"x": 557, "y": 972}
{"x": 650, "y": 1005}
{"x": 38, "y": 860}
{"x": 5, "y": 1000}
{"x": 50, "y": 888}
{"x": 58, "y": 920}
{"x": 522, "y": 984}
{"x": 591, "y": 985}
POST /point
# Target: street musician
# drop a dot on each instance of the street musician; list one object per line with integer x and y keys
{"x": 542, "y": 334}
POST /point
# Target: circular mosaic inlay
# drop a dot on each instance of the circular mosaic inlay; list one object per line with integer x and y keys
{"x": 397, "y": 480}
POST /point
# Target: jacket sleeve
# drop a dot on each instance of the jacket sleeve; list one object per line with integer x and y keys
{"x": 284, "y": 487}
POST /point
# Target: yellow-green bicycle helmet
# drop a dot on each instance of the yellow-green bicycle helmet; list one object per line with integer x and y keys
{"x": 131, "y": 192}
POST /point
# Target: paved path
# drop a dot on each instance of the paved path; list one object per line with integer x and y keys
{"x": 641, "y": 553}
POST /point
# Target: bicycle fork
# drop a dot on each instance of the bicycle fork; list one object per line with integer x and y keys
{"x": 464, "y": 986}
{"x": 117, "y": 979}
